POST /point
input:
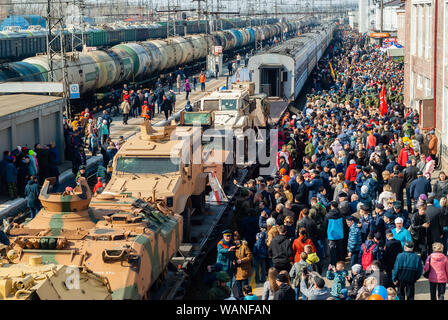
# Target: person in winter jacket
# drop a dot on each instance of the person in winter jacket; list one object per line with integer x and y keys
{"x": 365, "y": 197}
{"x": 313, "y": 185}
{"x": 32, "y": 195}
{"x": 298, "y": 246}
{"x": 284, "y": 292}
{"x": 440, "y": 187}
{"x": 356, "y": 280}
{"x": 226, "y": 253}
{"x": 270, "y": 287}
{"x": 405, "y": 154}
{"x": 368, "y": 246}
{"x": 260, "y": 254}
{"x": 391, "y": 250}
{"x": 401, "y": 233}
{"x": 297, "y": 269}
{"x": 316, "y": 289}
{"x": 354, "y": 240}
{"x": 407, "y": 270}
{"x": 437, "y": 265}
{"x": 280, "y": 250}
{"x": 335, "y": 233}
{"x": 272, "y": 230}
{"x": 265, "y": 214}
{"x": 419, "y": 229}
{"x": 125, "y": 109}
{"x": 317, "y": 214}
{"x": 243, "y": 264}
{"x": 366, "y": 222}
{"x": 339, "y": 276}
{"x": 351, "y": 172}
{"x": 11, "y": 178}
{"x": 419, "y": 186}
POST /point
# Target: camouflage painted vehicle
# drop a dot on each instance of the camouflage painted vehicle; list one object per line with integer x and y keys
{"x": 124, "y": 239}
{"x": 151, "y": 166}
{"x": 38, "y": 281}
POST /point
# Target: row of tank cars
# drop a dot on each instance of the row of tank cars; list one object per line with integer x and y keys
{"x": 129, "y": 61}
{"x": 16, "y": 43}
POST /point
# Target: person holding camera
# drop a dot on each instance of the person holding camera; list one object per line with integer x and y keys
{"x": 316, "y": 289}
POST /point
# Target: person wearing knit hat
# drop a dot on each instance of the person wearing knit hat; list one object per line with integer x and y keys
{"x": 400, "y": 233}
{"x": 356, "y": 280}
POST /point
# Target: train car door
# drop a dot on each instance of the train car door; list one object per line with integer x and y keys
{"x": 270, "y": 80}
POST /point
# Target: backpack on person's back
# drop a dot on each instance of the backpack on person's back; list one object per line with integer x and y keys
{"x": 260, "y": 250}
{"x": 367, "y": 256}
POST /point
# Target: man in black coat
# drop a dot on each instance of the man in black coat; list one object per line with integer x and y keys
{"x": 392, "y": 249}
{"x": 309, "y": 225}
{"x": 435, "y": 230}
{"x": 284, "y": 292}
{"x": 397, "y": 185}
{"x": 280, "y": 251}
{"x": 301, "y": 190}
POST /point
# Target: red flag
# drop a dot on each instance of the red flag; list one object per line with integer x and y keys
{"x": 383, "y": 103}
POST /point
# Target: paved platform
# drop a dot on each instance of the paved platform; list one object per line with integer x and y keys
{"x": 118, "y": 129}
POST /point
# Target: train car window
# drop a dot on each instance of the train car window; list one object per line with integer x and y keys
{"x": 147, "y": 165}
{"x": 228, "y": 104}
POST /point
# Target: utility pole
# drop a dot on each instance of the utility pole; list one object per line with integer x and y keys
{"x": 57, "y": 58}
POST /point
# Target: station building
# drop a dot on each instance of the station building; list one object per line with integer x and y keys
{"x": 425, "y": 30}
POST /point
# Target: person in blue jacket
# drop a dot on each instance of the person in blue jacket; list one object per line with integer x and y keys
{"x": 32, "y": 195}
{"x": 265, "y": 214}
{"x": 419, "y": 186}
{"x": 366, "y": 222}
{"x": 333, "y": 224}
{"x": 313, "y": 185}
{"x": 400, "y": 233}
{"x": 408, "y": 268}
{"x": 11, "y": 178}
{"x": 354, "y": 240}
{"x": 226, "y": 254}
{"x": 378, "y": 222}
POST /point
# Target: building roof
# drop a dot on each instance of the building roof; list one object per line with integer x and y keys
{"x": 18, "y": 102}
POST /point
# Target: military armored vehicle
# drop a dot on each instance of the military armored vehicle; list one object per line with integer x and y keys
{"x": 225, "y": 115}
{"x": 124, "y": 239}
{"x": 38, "y": 281}
{"x": 152, "y": 166}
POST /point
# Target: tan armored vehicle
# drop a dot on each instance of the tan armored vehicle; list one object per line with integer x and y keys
{"x": 38, "y": 281}
{"x": 225, "y": 115}
{"x": 122, "y": 239}
{"x": 152, "y": 166}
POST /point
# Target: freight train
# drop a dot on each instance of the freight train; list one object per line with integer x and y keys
{"x": 282, "y": 70}
{"x": 128, "y": 61}
{"x": 16, "y": 43}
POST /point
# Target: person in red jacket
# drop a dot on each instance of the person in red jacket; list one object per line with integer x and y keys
{"x": 371, "y": 140}
{"x": 98, "y": 185}
{"x": 405, "y": 154}
{"x": 298, "y": 246}
{"x": 351, "y": 172}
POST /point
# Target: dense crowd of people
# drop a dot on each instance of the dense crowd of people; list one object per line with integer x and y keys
{"x": 352, "y": 200}
{"x": 23, "y": 169}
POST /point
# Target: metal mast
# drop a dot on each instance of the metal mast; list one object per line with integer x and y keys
{"x": 56, "y": 58}
{"x": 78, "y": 41}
